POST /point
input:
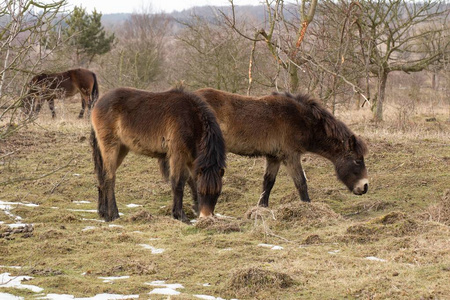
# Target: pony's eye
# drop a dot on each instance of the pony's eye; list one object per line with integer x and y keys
{"x": 357, "y": 162}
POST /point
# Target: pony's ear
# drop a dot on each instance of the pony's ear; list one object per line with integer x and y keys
{"x": 352, "y": 142}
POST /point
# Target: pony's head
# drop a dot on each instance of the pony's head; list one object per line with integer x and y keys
{"x": 350, "y": 167}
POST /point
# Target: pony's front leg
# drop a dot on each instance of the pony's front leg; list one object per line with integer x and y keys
{"x": 193, "y": 185}
{"x": 272, "y": 167}
{"x": 178, "y": 183}
{"x": 107, "y": 207}
{"x": 295, "y": 170}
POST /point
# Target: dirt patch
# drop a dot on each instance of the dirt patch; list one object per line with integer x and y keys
{"x": 221, "y": 225}
{"x": 440, "y": 212}
{"x": 306, "y": 213}
{"x": 247, "y": 282}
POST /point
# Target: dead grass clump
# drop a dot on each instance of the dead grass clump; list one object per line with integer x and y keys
{"x": 306, "y": 213}
{"x": 440, "y": 212}
{"x": 51, "y": 234}
{"x": 259, "y": 213}
{"x": 393, "y": 224}
{"x": 141, "y": 216}
{"x": 58, "y": 216}
{"x": 220, "y": 225}
{"x": 312, "y": 239}
{"x": 247, "y": 282}
{"x": 131, "y": 267}
{"x": 167, "y": 211}
{"x": 390, "y": 218}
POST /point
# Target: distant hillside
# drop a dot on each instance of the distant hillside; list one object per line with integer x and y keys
{"x": 257, "y": 13}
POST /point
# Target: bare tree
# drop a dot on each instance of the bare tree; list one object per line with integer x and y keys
{"x": 24, "y": 29}
{"x": 212, "y": 55}
{"x": 393, "y": 35}
{"x": 137, "y": 59}
{"x": 282, "y": 37}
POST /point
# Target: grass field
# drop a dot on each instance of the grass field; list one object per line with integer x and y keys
{"x": 393, "y": 242}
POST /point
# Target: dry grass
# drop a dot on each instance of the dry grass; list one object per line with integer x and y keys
{"x": 317, "y": 250}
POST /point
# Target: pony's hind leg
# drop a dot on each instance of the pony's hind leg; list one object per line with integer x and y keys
{"x": 51, "y": 105}
{"x": 295, "y": 170}
{"x": 179, "y": 174}
{"x": 270, "y": 175}
{"x": 110, "y": 159}
{"x": 83, "y": 107}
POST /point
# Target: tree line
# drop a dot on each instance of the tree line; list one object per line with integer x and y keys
{"x": 341, "y": 51}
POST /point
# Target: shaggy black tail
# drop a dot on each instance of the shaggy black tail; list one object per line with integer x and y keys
{"x": 95, "y": 92}
{"x": 210, "y": 163}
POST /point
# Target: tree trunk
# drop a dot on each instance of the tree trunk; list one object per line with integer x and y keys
{"x": 293, "y": 78}
{"x": 382, "y": 79}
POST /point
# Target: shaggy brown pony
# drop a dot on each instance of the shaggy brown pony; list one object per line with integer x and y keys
{"x": 282, "y": 127}
{"x": 176, "y": 125}
{"x": 48, "y": 87}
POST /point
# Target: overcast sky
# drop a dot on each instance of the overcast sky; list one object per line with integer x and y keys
{"x": 129, "y": 6}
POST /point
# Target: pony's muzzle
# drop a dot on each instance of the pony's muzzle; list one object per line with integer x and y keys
{"x": 361, "y": 187}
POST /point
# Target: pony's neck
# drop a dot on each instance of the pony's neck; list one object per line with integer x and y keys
{"x": 331, "y": 150}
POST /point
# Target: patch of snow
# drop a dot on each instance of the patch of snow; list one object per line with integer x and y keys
{"x": 10, "y": 205}
{"x": 272, "y": 247}
{"x": 83, "y": 210}
{"x": 153, "y": 249}
{"x": 165, "y": 288}
{"x": 16, "y": 282}
{"x": 87, "y": 210}
{"x": 76, "y": 174}
{"x": 206, "y": 297}
{"x": 81, "y": 202}
{"x": 115, "y": 225}
{"x": 96, "y": 297}
{"x": 11, "y": 267}
{"x": 5, "y": 296}
{"x": 96, "y": 220}
{"x": 162, "y": 283}
{"x": 164, "y": 291}
{"x": 132, "y": 205}
{"x": 111, "y": 279}
{"x": 334, "y": 252}
{"x": 88, "y": 228}
{"x": 374, "y": 258}
{"x": 18, "y": 225}
{"x": 206, "y": 284}
{"x": 226, "y": 249}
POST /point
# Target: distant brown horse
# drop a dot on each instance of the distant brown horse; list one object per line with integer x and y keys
{"x": 48, "y": 87}
{"x": 176, "y": 125}
{"x": 282, "y": 127}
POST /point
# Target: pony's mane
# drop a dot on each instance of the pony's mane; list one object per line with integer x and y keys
{"x": 334, "y": 128}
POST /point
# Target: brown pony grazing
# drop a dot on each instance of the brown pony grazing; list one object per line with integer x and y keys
{"x": 282, "y": 127}
{"x": 48, "y": 87}
{"x": 174, "y": 125}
